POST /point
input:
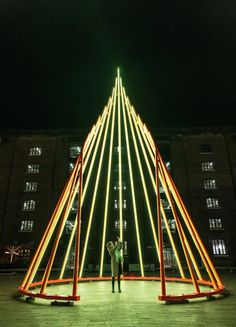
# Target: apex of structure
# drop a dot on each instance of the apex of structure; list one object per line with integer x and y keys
{"x": 118, "y": 72}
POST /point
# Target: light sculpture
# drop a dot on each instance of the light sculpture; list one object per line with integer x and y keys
{"x": 119, "y": 127}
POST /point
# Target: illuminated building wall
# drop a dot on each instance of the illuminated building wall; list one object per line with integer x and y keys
{"x": 34, "y": 167}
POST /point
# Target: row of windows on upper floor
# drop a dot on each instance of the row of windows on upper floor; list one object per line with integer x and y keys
{"x": 209, "y": 184}
{"x": 211, "y": 203}
{"x": 218, "y": 248}
{"x": 27, "y": 225}
{"x": 37, "y": 151}
{"x": 35, "y": 168}
{"x": 75, "y": 150}
{"x": 218, "y": 245}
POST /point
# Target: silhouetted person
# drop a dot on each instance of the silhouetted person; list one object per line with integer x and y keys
{"x": 116, "y": 262}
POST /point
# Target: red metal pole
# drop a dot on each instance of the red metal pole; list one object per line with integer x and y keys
{"x": 180, "y": 230}
{"x": 77, "y": 242}
{"x": 160, "y": 236}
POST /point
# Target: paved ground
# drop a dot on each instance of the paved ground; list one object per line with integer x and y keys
{"x": 135, "y": 306}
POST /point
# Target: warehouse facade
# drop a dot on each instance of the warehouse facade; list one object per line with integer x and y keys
{"x": 35, "y": 166}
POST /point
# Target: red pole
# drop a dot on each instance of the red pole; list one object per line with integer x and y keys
{"x": 77, "y": 242}
{"x": 160, "y": 236}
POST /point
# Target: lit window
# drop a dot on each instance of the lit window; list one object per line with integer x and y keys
{"x": 71, "y": 166}
{"x": 205, "y": 148}
{"x": 26, "y": 226}
{"x": 117, "y": 149}
{"x": 117, "y": 205}
{"x": 28, "y": 205}
{"x": 75, "y": 151}
{"x": 74, "y": 207}
{"x": 125, "y": 248}
{"x": 168, "y": 165}
{"x": 210, "y": 184}
{"x": 212, "y": 203}
{"x": 171, "y": 223}
{"x": 69, "y": 226}
{"x": 31, "y": 186}
{"x": 117, "y": 185}
{"x": 207, "y": 166}
{"x": 117, "y": 167}
{"x": 218, "y": 247}
{"x": 33, "y": 169}
{"x": 165, "y": 203}
{"x": 215, "y": 223}
{"x": 35, "y": 152}
{"x": 117, "y": 224}
{"x": 24, "y": 252}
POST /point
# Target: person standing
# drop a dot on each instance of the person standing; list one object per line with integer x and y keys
{"x": 116, "y": 262}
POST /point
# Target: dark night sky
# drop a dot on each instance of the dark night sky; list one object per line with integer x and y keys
{"x": 59, "y": 59}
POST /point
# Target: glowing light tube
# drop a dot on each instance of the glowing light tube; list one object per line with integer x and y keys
{"x": 120, "y": 161}
{"x": 145, "y": 154}
{"x": 168, "y": 195}
{"x": 47, "y": 235}
{"x": 94, "y": 155}
{"x": 95, "y": 189}
{"x": 108, "y": 180}
{"x": 77, "y": 239}
{"x": 160, "y": 234}
{"x": 196, "y": 238}
{"x": 142, "y": 178}
{"x": 182, "y": 237}
{"x": 132, "y": 187}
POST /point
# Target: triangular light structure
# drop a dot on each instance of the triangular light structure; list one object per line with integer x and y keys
{"x": 120, "y": 186}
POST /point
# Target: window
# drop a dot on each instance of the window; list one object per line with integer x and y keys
{"x": 161, "y": 189}
{"x": 210, "y": 184}
{"x": 69, "y": 226}
{"x": 71, "y": 166}
{"x": 168, "y": 165}
{"x": 117, "y": 204}
{"x": 165, "y": 203}
{"x": 212, "y": 203}
{"x": 125, "y": 248}
{"x": 74, "y": 207}
{"x": 75, "y": 151}
{"x": 218, "y": 247}
{"x": 171, "y": 223}
{"x": 207, "y": 166}
{"x": 26, "y": 226}
{"x": 117, "y": 168}
{"x": 24, "y": 252}
{"x": 28, "y": 205}
{"x": 205, "y": 148}
{"x": 215, "y": 223}
{"x": 35, "y": 152}
{"x": 117, "y": 224}
{"x": 117, "y": 149}
{"x": 31, "y": 186}
{"x": 33, "y": 169}
{"x": 117, "y": 185}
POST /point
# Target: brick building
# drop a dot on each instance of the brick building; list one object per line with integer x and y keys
{"x": 34, "y": 166}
